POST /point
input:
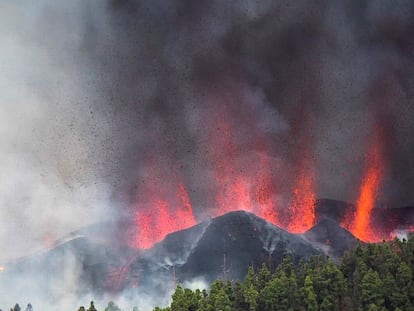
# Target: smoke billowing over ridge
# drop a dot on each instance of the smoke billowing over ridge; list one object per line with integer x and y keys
{"x": 117, "y": 107}
{"x": 119, "y": 97}
{"x": 207, "y": 92}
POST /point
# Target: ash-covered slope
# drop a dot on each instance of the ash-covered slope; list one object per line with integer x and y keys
{"x": 225, "y": 245}
{"x": 328, "y": 236}
{"x": 73, "y": 266}
{"x": 221, "y": 247}
{"x": 244, "y": 239}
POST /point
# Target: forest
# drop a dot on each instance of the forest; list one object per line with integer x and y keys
{"x": 371, "y": 277}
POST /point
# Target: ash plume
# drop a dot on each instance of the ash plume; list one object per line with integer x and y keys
{"x": 303, "y": 80}
{"x": 102, "y": 100}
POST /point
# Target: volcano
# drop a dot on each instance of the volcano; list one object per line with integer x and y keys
{"x": 222, "y": 247}
{"x": 331, "y": 238}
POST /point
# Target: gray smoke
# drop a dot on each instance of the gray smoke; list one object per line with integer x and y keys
{"x": 312, "y": 80}
{"x": 102, "y": 101}
{"x": 52, "y": 140}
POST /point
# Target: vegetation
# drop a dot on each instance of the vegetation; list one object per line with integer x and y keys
{"x": 373, "y": 277}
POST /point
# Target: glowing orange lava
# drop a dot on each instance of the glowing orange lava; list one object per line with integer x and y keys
{"x": 245, "y": 185}
{"x": 302, "y": 208}
{"x": 163, "y": 216}
{"x": 359, "y": 223}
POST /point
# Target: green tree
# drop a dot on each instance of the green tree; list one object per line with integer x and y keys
{"x": 372, "y": 289}
{"x": 263, "y": 277}
{"x": 333, "y": 286}
{"x": 239, "y": 304}
{"x": 185, "y": 299}
{"x": 309, "y": 295}
{"x": 250, "y": 279}
{"x": 250, "y": 296}
{"x": 275, "y": 295}
{"x": 222, "y": 301}
{"x": 327, "y": 304}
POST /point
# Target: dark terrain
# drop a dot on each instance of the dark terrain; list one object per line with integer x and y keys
{"x": 100, "y": 260}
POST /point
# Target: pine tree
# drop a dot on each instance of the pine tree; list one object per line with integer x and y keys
{"x": 309, "y": 295}
{"x": 250, "y": 296}
{"x": 222, "y": 301}
{"x": 372, "y": 289}
{"x": 264, "y": 276}
{"x": 185, "y": 299}
{"x": 239, "y": 303}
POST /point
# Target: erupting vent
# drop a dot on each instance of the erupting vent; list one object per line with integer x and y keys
{"x": 251, "y": 188}
{"x": 360, "y": 221}
{"x": 302, "y": 209}
{"x": 237, "y": 180}
{"x": 163, "y": 217}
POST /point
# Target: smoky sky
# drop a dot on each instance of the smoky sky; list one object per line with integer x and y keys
{"x": 104, "y": 102}
{"x": 312, "y": 79}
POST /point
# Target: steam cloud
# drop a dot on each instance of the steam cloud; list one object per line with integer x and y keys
{"x": 98, "y": 99}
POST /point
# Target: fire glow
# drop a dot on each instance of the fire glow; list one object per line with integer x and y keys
{"x": 302, "y": 208}
{"x": 164, "y": 214}
{"x": 237, "y": 182}
{"x": 242, "y": 175}
{"x": 252, "y": 187}
{"x": 163, "y": 217}
{"x": 359, "y": 222}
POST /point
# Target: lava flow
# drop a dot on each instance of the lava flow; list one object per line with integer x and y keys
{"x": 359, "y": 223}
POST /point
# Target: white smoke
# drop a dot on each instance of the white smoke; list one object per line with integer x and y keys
{"x": 59, "y": 147}
{"x": 50, "y": 173}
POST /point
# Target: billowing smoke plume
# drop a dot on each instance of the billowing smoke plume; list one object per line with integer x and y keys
{"x": 113, "y": 107}
{"x": 189, "y": 86}
{"x": 52, "y": 141}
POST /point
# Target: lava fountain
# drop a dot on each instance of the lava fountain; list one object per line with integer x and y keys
{"x": 163, "y": 213}
{"x": 237, "y": 152}
{"x": 359, "y": 222}
{"x": 302, "y": 207}
{"x": 247, "y": 187}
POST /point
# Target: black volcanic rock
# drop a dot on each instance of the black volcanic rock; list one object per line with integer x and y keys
{"x": 331, "y": 238}
{"x": 225, "y": 245}
{"x": 244, "y": 239}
